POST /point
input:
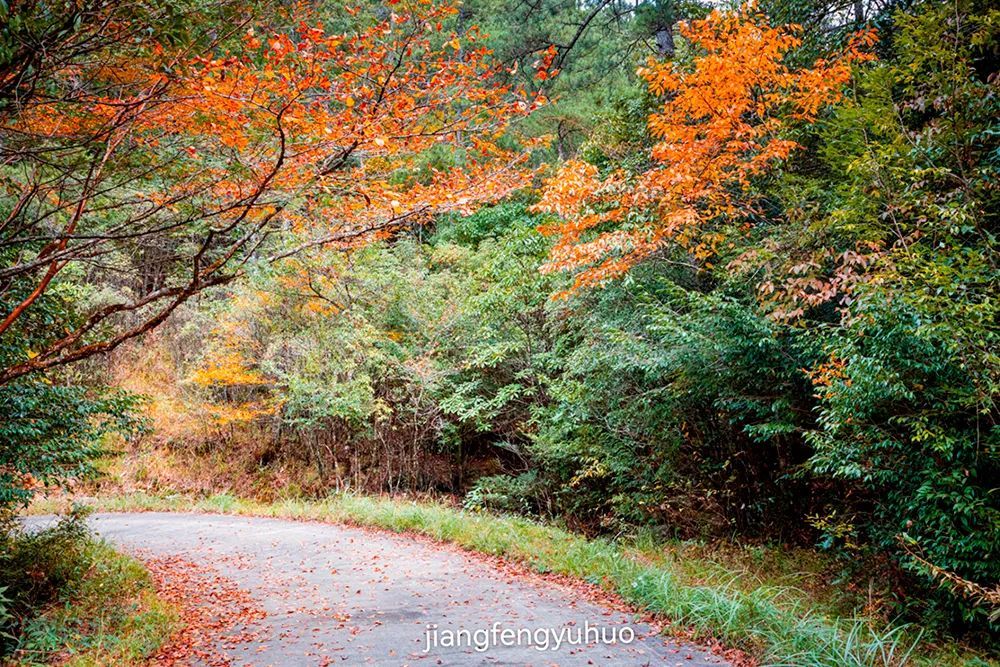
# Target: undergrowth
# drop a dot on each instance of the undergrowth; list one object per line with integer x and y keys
{"x": 69, "y": 598}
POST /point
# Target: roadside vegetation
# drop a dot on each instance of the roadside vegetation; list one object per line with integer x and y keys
{"x": 69, "y": 598}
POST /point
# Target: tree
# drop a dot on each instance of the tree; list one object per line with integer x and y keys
{"x": 722, "y": 124}
{"x": 168, "y": 167}
{"x": 827, "y": 307}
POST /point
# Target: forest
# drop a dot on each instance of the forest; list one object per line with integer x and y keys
{"x": 673, "y": 272}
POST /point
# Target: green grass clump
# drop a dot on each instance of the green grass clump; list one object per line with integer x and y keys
{"x": 779, "y": 625}
{"x": 71, "y": 598}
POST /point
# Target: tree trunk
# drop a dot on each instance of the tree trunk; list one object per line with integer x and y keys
{"x": 665, "y": 41}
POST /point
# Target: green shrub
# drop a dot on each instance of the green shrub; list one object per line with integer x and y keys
{"x": 69, "y": 594}
{"x": 51, "y": 435}
{"x": 505, "y": 493}
{"x": 39, "y": 567}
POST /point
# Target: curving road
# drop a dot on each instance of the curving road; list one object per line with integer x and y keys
{"x": 285, "y": 593}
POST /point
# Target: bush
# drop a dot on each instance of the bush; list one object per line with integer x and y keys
{"x": 505, "y": 493}
{"x": 68, "y": 594}
{"x": 39, "y": 567}
{"x": 5, "y": 615}
{"x": 51, "y": 435}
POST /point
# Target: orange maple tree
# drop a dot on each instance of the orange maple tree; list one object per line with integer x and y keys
{"x": 202, "y": 159}
{"x": 720, "y": 125}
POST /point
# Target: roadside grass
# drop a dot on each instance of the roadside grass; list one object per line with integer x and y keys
{"x": 103, "y": 608}
{"x": 777, "y": 623}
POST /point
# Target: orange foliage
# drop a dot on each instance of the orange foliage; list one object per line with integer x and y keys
{"x": 792, "y": 284}
{"x": 314, "y": 133}
{"x": 720, "y": 125}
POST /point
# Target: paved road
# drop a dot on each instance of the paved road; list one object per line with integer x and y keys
{"x": 328, "y": 594}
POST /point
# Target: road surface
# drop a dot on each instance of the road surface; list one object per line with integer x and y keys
{"x": 260, "y": 591}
